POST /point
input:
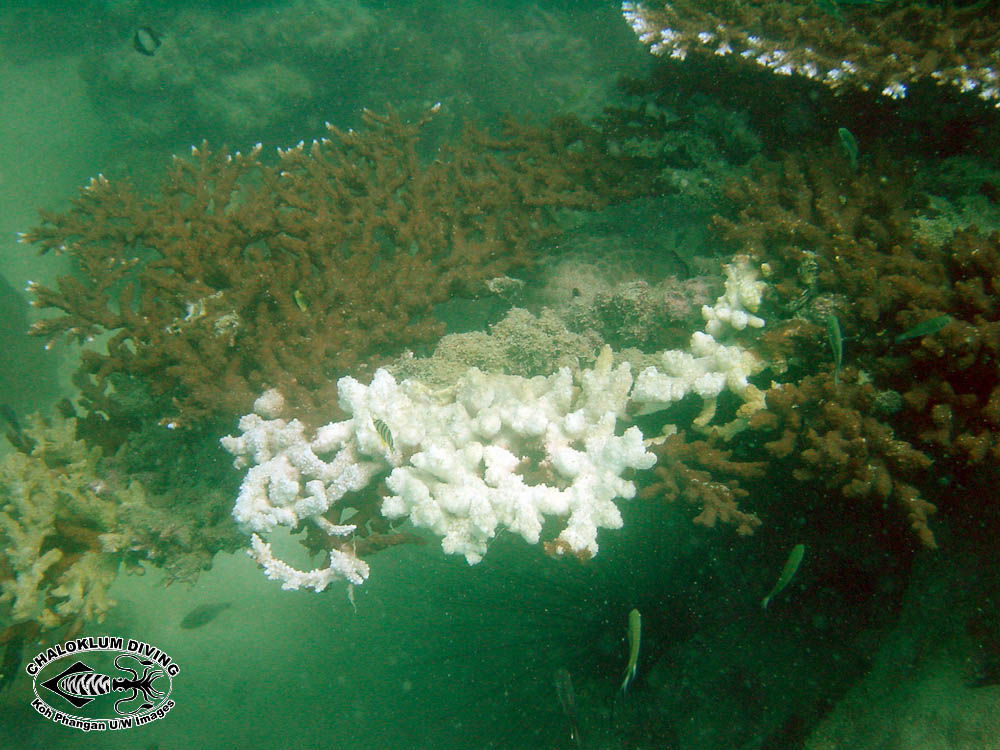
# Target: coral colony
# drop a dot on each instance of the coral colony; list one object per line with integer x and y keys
{"x": 283, "y": 273}
{"x": 883, "y": 49}
{"x": 493, "y": 451}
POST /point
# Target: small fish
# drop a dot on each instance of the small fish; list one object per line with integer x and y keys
{"x": 146, "y": 41}
{"x": 384, "y": 433}
{"x": 634, "y": 636}
{"x": 300, "y": 300}
{"x": 203, "y": 614}
{"x": 787, "y": 573}
{"x": 926, "y": 328}
{"x": 8, "y": 414}
{"x": 567, "y": 699}
{"x": 16, "y": 436}
{"x": 836, "y": 340}
{"x": 850, "y": 146}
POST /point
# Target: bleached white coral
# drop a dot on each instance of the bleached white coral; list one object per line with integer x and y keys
{"x": 287, "y": 482}
{"x": 343, "y": 565}
{"x": 740, "y": 300}
{"x": 469, "y": 449}
{"x": 490, "y": 452}
{"x": 468, "y": 476}
{"x": 708, "y": 369}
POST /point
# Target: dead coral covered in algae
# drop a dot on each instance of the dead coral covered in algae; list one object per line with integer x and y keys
{"x": 68, "y": 524}
{"x": 242, "y": 274}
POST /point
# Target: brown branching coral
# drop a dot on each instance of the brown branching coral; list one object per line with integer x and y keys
{"x": 829, "y": 434}
{"x": 700, "y": 473}
{"x": 841, "y": 244}
{"x": 883, "y": 47}
{"x": 241, "y": 274}
{"x": 814, "y": 221}
{"x": 841, "y": 250}
{"x": 951, "y": 384}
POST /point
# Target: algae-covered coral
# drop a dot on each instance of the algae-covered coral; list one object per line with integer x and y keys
{"x": 71, "y": 520}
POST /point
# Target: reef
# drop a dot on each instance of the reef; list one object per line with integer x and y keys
{"x": 240, "y": 274}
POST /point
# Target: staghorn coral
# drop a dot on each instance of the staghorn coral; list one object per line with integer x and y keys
{"x": 703, "y": 474}
{"x": 884, "y": 47}
{"x": 240, "y": 274}
{"x": 829, "y": 435}
{"x": 815, "y": 222}
{"x": 950, "y": 385}
{"x": 841, "y": 244}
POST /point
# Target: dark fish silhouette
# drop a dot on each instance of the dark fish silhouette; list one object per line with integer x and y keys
{"x": 15, "y": 435}
{"x": 203, "y": 614}
{"x": 146, "y": 41}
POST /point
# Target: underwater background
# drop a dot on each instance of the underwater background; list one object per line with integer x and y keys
{"x": 623, "y": 187}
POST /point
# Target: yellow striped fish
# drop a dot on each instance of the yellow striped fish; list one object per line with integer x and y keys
{"x": 384, "y": 433}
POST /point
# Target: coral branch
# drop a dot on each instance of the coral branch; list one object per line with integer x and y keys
{"x": 883, "y": 47}
{"x": 698, "y": 472}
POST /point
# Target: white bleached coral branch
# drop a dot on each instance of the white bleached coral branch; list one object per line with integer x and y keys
{"x": 491, "y": 452}
{"x": 343, "y": 566}
{"x": 710, "y": 367}
{"x": 740, "y": 300}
